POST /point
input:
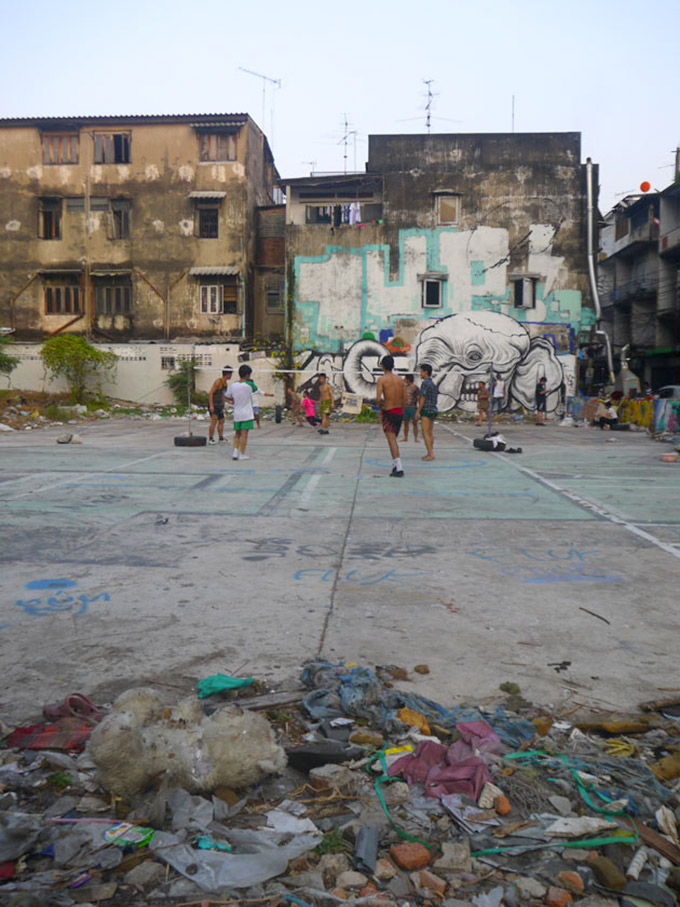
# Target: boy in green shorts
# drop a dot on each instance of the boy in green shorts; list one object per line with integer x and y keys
{"x": 241, "y": 395}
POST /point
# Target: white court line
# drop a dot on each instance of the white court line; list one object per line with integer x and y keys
{"x": 329, "y": 456}
{"x": 84, "y": 475}
{"x": 581, "y": 501}
{"x": 306, "y": 495}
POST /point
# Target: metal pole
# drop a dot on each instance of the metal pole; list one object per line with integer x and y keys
{"x": 490, "y": 398}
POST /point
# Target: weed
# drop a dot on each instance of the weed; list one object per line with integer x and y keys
{"x": 60, "y": 780}
{"x": 333, "y": 842}
{"x": 367, "y": 415}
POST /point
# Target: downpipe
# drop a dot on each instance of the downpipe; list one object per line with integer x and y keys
{"x": 599, "y": 331}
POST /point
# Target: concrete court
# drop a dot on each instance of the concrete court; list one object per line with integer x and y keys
{"x": 127, "y": 560}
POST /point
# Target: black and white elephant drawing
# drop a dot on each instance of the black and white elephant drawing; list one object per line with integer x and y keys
{"x": 462, "y": 349}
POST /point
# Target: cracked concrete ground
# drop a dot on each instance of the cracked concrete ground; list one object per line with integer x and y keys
{"x": 127, "y": 560}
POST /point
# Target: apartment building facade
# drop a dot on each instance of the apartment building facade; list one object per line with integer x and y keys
{"x": 464, "y": 251}
{"x": 134, "y": 228}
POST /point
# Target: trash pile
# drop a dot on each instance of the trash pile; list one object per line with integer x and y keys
{"x": 346, "y": 790}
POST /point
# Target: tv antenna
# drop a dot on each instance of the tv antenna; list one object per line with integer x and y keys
{"x": 312, "y": 165}
{"x": 345, "y": 141}
{"x": 430, "y": 101}
{"x": 265, "y": 79}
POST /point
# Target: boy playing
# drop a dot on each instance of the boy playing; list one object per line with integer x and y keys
{"x": 410, "y": 408}
{"x": 294, "y": 404}
{"x": 326, "y": 404}
{"x": 241, "y": 394}
{"x": 427, "y": 408}
{"x": 216, "y": 405}
{"x": 391, "y": 396}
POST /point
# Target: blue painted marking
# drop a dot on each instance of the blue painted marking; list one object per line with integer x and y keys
{"x": 51, "y": 584}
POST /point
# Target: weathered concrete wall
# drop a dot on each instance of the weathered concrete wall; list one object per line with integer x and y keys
{"x": 162, "y": 246}
{"x": 521, "y": 211}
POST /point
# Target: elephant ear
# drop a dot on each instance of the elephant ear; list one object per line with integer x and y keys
{"x": 360, "y": 362}
{"x": 540, "y": 361}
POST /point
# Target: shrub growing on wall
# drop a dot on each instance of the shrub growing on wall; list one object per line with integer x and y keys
{"x": 73, "y": 358}
{"x": 182, "y": 383}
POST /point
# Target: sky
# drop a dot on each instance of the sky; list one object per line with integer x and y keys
{"x": 608, "y": 68}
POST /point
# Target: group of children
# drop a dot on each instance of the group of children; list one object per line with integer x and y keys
{"x": 306, "y": 404}
{"x": 246, "y": 412}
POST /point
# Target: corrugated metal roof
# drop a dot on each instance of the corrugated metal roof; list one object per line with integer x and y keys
{"x": 214, "y": 271}
{"x": 202, "y": 119}
{"x": 208, "y": 193}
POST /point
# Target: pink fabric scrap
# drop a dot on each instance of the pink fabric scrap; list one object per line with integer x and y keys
{"x": 454, "y": 769}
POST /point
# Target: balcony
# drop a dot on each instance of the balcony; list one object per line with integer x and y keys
{"x": 669, "y": 243}
{"x": 639, "y": 288}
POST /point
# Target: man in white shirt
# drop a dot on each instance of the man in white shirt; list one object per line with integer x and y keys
{"x": 498, "y": 394}
{"x": 241, "y": 395}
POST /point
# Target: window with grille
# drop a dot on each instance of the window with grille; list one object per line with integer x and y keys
{"x": 208, "y": 221}
{"x": 112, "y": 148}
{"x": 49, "y": 218}
{"x": 62, "y": 296}
{"x": 112, "y": 295}
{"x": 217, "y": 146}
{"x": 60, "y": 148}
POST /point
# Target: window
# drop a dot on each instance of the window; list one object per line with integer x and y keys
{"x": 120, "y": 218}
{"x": 49, "y": 218}
{"x": 167, "y": 363}
{"x": 60, "y": 148}
{"x": 112, "y": 148}
{"x": 219, "y": 299}
{"x": 622, "y": 226}
{"x": 217, "y": 146}
{"x": 274, "y": 303}
{"x": 208, "y": 221}
{"x": 431, "y": 294}
{"x": 523, "y": 292}
{"x": 112, "y": 294}
{"x": 448, "y": 209}
{"x": 62, "y": 295}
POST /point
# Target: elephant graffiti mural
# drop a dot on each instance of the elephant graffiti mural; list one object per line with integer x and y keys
{"x": 461, "y": 349}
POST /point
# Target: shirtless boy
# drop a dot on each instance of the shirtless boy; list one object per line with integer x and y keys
{"x": 216, "y": 405}
{"x": 325, "y": 403}
{"x": 391, "y": 396}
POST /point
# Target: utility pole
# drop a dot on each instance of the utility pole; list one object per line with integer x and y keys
{"x": 265, "y": 79}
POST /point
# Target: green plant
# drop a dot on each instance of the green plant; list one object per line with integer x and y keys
{"x": 70, "y": 356}
{"x": 367, "y": 415}
{"x": 60, "y": 780}
{"x": 7, "y": 363}
{"x": 182, "y": 382}
{"x": 333, "y": 842}
{"x": 56, "y": 413}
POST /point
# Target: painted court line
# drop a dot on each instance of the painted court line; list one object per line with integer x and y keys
{"x": 314, "y": 480}
{"x": 329, "y": 456}
{"x": 84, "y": 475}
{"x": 583, "y": 502}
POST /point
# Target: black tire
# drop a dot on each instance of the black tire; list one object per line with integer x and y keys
{"x": 278, "y": 413}
{"x": 190, "y": 441}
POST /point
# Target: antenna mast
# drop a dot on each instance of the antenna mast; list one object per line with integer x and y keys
{"x": 345, "y": 140}
{"x": 428, "y": 106}
{"x": 265, "y": 79}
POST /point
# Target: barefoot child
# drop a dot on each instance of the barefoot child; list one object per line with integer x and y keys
{"x": 410, "y": 408}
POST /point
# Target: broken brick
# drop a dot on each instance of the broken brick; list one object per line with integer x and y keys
{"x": 434, "y": 883}
{"x": 570, "y": 880}
{"x": 410, "y": 856}
{"x": 558, "y": 897}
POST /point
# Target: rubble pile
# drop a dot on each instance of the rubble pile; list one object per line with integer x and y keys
{"x": 350, "y": 789}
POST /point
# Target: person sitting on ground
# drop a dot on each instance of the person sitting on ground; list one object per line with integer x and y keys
{"x": 495, "y": 442}
{"x": 609, "y": 418}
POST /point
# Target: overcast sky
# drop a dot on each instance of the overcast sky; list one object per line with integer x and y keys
{"x": 608, "y": 69}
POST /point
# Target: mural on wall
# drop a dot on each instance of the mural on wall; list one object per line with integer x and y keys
{"x": 461, "y": 350}
{"x": 352, "y": 308}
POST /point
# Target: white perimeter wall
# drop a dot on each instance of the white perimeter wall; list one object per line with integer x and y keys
{"x": 139, "y": 375}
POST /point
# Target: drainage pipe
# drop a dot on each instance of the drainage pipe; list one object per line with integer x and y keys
{"x": 590, "y": 217}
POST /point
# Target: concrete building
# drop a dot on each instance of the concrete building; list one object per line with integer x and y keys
{"x": 466, "y": 251}
{"x": 639, "y": 277}
{"x": 133, "y": 228}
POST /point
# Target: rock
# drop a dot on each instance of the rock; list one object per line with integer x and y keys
{"x": 66, "y": 438}
{"x": 397, "y": 792}
{"x": 432, "y": 882}
{"x": 309, "y": 879}
{"x": 366, "y": 737}
{"x": 384, "y": 869}
{"x": 327, "y": 777}
{"x": 608, "y": 873}
{"x": 145, "y": 876}
{"x": 399, "y": 887}
{"x": 561, "y": 804}
{"x": 455, "y": 857}
{"x": 331, "y": 865}
{"x": 351, "y": 879}
{"x": 94, "y": 893}
{"x": 410, "y": 856}
{"x": 421, "y": 669}
{"x": 530, "y": 888}
{"x": 76, "y": 439}
{"x": 570, "y": 880}
{"x": 340, "y": 893}
{"x": 4, "y": 427}
{"x": 558, "y": 897}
